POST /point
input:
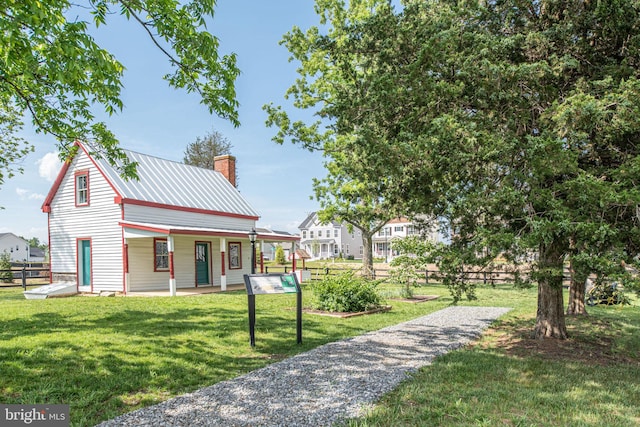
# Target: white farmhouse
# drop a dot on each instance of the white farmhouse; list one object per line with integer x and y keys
{"x": 16, "y": 247}
{"x": 397, "y": 228}
{"x": 178, "y": 226}
{"x": 329, "y": 240}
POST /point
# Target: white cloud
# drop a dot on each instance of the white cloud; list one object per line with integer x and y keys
{"x": 49, "y": 166}
{"x": 25, "y": 194}
{"x": 22, "y": 193}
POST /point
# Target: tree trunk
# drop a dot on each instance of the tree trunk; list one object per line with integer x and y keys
{"x": 367, "y": 255}
{"x": 550, "y": 316}
{"x": 577, "y": 291}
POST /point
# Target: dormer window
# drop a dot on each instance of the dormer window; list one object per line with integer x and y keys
{"x": 82, "y": 188}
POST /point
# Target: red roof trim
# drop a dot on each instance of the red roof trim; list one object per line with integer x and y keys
{"x": 169, "y": 230}
{"x": 46, "y": 205}
{"x": 122, "y": 200}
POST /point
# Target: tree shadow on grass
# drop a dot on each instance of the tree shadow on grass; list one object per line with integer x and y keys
{"x": 104, "y": 365}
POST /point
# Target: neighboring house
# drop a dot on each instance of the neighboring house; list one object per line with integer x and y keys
{"x": 332, "y": 240}
{"x": 17, "y": 248}
{"x": 268, "y": 249}
{"x": 394, "y": 229}
{"x": 37, "y": 255}
{"x": 329, "y": 240}
{"x": 178, "y": 226}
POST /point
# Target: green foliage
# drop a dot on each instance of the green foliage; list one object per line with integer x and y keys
{"x": 202, "y": 152}
{"x": 515, "y": 121}
{"x": 346, "y": 293}
{"x": 12, "y": 147}
{"x": 280, "y": 258}
{"x": 52, "y": 69}
{"x": 409, "y": 266}
{"x": 5, "y": 264}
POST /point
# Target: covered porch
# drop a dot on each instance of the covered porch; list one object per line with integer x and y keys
{"x": 164, "y": 259}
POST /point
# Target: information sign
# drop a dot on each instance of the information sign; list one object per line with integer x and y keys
{"x": 274, "y": 283}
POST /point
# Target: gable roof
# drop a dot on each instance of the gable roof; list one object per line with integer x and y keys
{"x": 3, "y": 235}
{"x": 165, "y": 183}
{"x": 313, "y": 217}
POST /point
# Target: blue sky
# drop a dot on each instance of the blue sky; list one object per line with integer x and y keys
{"x": 158, "y": 120}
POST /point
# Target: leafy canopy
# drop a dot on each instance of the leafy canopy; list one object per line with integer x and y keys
{"x": 52, "y": 70}
{"x": 516, "y": 121}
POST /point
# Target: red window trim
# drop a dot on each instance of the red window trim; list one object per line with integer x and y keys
{"x": 75, "y": 187}
{"x": 155, "y": 255}
{"x": 239, "y": 266}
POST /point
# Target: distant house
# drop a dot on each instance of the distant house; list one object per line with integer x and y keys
{"x": 329, "y": 240}
{"x": 17, "y": 248}
{"x": 394, "y": 229}
{"x": 36, "y": 254}
{"x": 332, "y": 240}
{"x": 178, "y": 226}
{"x": 268, "y": 248}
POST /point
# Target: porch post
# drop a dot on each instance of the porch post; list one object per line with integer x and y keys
{"x": 293, "y": 251}
{"x": 223, "y": 277}
{"x": 172, "y": 273}
{"x": 261, "y": 262}
{"x": 125, "y": 259}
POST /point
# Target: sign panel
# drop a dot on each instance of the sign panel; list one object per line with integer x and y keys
{"x": 271, "y": 284}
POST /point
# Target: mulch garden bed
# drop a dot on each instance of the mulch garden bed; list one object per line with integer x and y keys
{"x": 416, "y": 299}
{"x": 345, "y": 315}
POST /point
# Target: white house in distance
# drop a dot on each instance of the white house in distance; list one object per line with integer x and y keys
{"x": 394, "y": 229}
{"x": 329, "y": 240}
{"x": 17, "y": 248}
{"x": 333, "y": 239}
{"x": 178, "y": 226}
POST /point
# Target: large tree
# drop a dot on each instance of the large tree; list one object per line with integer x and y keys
{"x": 53, "y": 71}
{"x": 515, "y": 120}
{"x": 202, "y": 151}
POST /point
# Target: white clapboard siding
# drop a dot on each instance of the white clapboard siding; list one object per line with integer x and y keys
{"x": 98, "y": 221}
{"x": 149, "y": 214}
{"x": 142, "y": 276}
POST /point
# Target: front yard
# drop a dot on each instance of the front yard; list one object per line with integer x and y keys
{"x": 107, "y": 356}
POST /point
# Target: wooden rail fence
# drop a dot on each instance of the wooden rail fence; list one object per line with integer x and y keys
{"x": 25, "y": 275}
{"x": 429, "y": 275}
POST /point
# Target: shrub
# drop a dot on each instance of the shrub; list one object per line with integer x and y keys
{"x": 280, "y": 258}
{"x": 345, "y": 293}
{"x": 6, "y": 276}
{"x": 412, "y": 260}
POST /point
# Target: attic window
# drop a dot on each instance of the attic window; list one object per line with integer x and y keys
{"x": 82, "y": 188}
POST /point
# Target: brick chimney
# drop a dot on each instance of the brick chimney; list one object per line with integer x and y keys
{"x": 226, "y": 165}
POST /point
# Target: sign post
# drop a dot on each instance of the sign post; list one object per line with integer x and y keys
{"x": 274, "y": 283}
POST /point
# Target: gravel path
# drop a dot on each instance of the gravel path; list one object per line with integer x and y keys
{"x": 325, "y": 385}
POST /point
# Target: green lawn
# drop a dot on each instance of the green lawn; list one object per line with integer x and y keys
{"x": 107, "y": 356}
{"x": 509, "y": 379}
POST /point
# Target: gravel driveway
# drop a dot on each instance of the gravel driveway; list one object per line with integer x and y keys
{"x": 325, "y": 385}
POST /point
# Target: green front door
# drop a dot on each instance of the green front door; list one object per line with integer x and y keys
{"x": 85, "y": 262}
{"x": 202, "y": 264}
